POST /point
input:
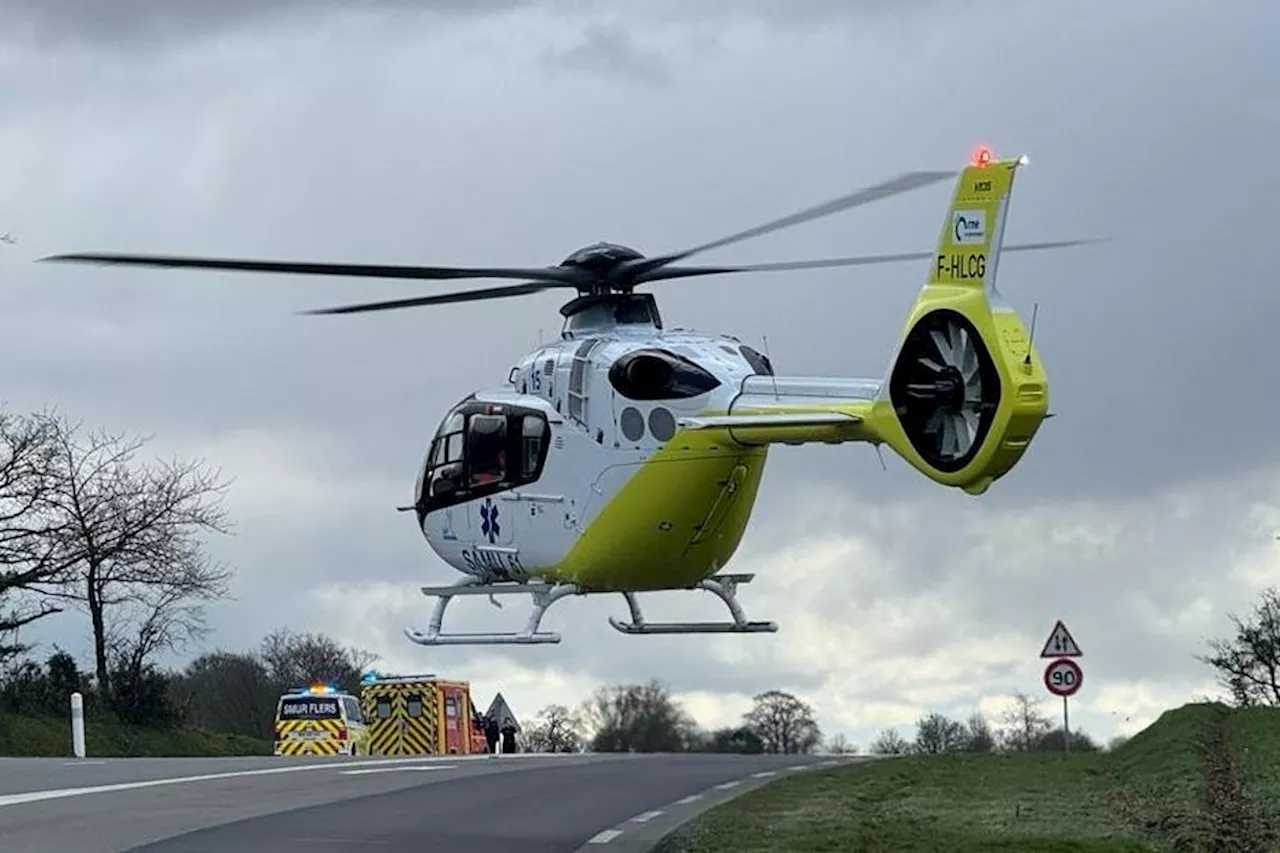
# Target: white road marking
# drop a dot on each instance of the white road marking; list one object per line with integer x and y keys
{"x": 829, "y": 763}
{"x": 399, "y": 769}
{"x": 60, "y": 793}
{"x": 684, "y": 801}
{"x": 646, "y": 817}
{"x": 797, "y": 767}
{"x": 763, "y": 774}
{"x": 604, "y": 837}
{"x": 724, "y": 786}
{"x": 82, "y": 763}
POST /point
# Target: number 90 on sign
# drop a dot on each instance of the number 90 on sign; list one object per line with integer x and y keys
{"x": 1063, "y": 677}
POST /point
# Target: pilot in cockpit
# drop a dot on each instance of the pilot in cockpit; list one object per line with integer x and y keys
{"x": 487, "y": 451}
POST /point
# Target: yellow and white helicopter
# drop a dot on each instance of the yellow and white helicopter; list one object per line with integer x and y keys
{"x": 626, "y": 457}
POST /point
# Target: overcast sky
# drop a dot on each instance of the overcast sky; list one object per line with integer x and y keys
{"x": 515, "y": 132}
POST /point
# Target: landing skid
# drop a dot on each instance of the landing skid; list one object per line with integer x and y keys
{"x": 724, "y": 587}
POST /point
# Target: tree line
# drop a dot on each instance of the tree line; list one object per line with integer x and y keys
{"x": 220, "y": 691}
{"x": 648, "y": 718}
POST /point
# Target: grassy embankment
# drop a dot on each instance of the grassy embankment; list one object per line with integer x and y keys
{"x": 33, "y": 736}
{"x": 1202, "y": 777}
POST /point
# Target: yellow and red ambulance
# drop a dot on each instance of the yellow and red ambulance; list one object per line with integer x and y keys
{"x": 320, "y": 720}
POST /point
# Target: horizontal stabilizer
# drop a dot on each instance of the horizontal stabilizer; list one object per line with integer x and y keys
{"x": 763, "y": 421}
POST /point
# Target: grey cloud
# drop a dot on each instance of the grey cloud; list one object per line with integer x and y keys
{"x": 610, "y": 49}
{"x": 133, "y": 23}
{"x": 136, "y": 22}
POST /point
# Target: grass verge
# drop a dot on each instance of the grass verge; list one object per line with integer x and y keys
{"x": 39, "y": 737}
{"x": 1150, "y": 795}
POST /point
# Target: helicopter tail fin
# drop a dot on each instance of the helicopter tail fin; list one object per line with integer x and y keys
{"x": 965, "y": 392}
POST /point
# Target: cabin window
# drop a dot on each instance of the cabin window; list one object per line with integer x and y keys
{"x": 415, "y": 706}
{"x": 578, "y": 381}
{"x": 533, "y": 437}
{"x": 384, "y": 709}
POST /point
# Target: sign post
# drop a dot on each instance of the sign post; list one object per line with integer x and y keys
{"x": 1063, "y": 676}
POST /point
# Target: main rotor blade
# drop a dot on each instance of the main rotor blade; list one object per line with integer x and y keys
{"x": 885, "y": 189}
{"x": 861, "y": 260}
{"x": 557, "y": 275}
{"x": 441, "y": 299}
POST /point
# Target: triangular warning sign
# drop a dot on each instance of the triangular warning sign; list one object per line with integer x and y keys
{"x": 501, "y": 711}
{"x": 1060, "y": 644}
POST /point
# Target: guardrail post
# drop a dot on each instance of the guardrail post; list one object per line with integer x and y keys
{"x": 77, "y": 725}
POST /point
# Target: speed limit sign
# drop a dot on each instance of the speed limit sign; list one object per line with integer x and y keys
{"x": 1063, "y": 677}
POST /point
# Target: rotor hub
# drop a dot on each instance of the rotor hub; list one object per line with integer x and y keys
{"x": 600, "y": 261}
{"x": 946, "y": 391}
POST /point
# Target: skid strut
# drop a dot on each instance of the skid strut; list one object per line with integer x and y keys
{"x": 724, "y": 587}
{"x": 545, "y": 594}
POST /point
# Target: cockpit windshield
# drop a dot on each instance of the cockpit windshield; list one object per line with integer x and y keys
{"x": 482, "y": 448}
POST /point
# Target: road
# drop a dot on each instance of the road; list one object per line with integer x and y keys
{"x": 507, "y": 804}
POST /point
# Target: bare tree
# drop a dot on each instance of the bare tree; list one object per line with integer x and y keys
{"x": 889, "y": 742}
{"x": 1024, "y": 724}
{"x": 131, "y": 532}
{"x": 637, "y": 718}
{"x": 556, "y": 729}
{"x": 30, "y": 557}
{"x": 840, "y": 745}
{"x": 936, "y": 734}
{"x": 227, "y": 692}
{"x": 162, "y": 618}
{"x": 784, "y": 723}
{"x": 1248, "y": 665}
{"x": 980, "y": 737}
{"x": 296, "y": 660}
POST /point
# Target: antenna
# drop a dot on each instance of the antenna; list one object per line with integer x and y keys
{"x": 880, "y": 454}
{"x": 772, "y": 373}
{"x": 1031, "y": 336}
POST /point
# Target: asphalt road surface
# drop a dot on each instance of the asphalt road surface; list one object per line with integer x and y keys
{"x": 469, "y": 804}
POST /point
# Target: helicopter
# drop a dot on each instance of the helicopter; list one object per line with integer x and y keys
{"x": 626, "y": 458}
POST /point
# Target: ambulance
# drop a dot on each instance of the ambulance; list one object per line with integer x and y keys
{"x": 420, "y": 715}
{"x": 320, "y": 720}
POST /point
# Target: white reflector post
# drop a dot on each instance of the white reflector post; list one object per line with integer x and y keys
{"x": 77, "y": 725}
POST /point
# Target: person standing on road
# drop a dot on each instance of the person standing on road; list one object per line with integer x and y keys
{"x": 491, "y": 733}
{"x": 508, "y": 736}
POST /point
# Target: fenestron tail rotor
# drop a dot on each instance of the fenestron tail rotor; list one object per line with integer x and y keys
{"x": 594, "y": 270}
